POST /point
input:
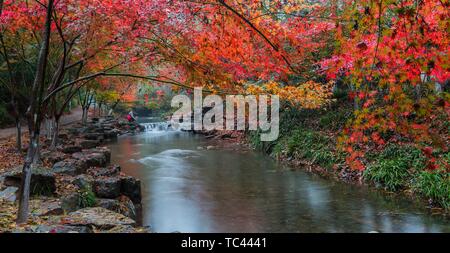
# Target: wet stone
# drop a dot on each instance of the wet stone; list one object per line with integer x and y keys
{"x": 107, "y": 187}
{"x": 131, "y": 187}
{"x": 71, "y": 167}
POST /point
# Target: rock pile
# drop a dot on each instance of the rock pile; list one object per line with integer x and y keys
{"x": 78, "y": 189}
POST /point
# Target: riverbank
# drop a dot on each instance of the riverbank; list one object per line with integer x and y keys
{"x": 308, "y": 141}
{"x": 222, "y": 185}
{"x": 75, "y": 189}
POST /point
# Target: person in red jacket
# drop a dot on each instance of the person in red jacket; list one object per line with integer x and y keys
{"x": 130, "y": 117}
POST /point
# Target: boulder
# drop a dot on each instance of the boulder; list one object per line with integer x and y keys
{"x": 131, "y": 187}
{"x": 112, "y": 134}
{"x": 122, "y": 205}
{"x": 77, "y": 130}
{"x": 9, "y": 194}
{"x": 42, "y": 180}
{"x": 83, "y": 182}
{"x": 93, "y": 158}
{"x": 127, "y": 207}
{"x": 46, "y": 207}
{"x": 71, "y": 167}
{"x": 70, "y": 149}
{"x": 104, "y": 150}
{"x": 52, "y": 157}
{"x": 94, "y": 136}
{"x": 60, "y": 229}
{"x": 110, "y": 204}
{"x": 108, "y": 187}
{"x": 98, "y": 217}
{"x": 110, "y": 171}
{"x": 126, "y": 229}
{"x": 88, "y": 144}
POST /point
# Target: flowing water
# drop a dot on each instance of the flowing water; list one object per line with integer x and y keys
{"x": 190, "y": 188}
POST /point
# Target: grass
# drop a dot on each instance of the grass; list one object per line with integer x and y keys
{"x": 404, "y": 167}
{"x": 434, "y": 185}
{"x": 312, "y": 146}
{"x": 311, "y": 135}
{"x": 392, "y": 175}
{"x": 394, "y": 168}
{"x": 301, "y": 136}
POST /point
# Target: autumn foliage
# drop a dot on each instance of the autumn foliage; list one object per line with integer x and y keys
{"x": 391, "y": 55}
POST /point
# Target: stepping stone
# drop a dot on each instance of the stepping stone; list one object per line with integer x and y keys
{"x": 98, "y": 217}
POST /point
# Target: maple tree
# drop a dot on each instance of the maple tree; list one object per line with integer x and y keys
{"x": 395, "y": 56}
{"x": 392, "y": 54}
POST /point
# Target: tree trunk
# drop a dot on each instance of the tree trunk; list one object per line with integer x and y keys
{"x": 55, "y": 134}
{"x": 26, "y": 179}
{"x": 84, "y": 117}
{"x": 34, "y": 114}
{"x": 49, "y": 126}
{"x": 19, "y": 135}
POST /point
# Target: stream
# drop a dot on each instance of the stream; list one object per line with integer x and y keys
{"x": 187, "y": 187}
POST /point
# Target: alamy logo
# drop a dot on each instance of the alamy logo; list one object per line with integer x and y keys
{"x": 257, "y": 117}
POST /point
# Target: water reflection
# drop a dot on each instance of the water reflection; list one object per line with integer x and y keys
{"x": 191, "y": 190}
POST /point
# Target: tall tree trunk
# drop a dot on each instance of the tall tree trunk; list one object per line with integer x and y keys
{"x": 19, "y": 135}
{"x": 48, "y": 124}
{"x": 35, "y": 116}
{"x": 84, "y": 117}
{"x": 26, "y": 179}
{"x": 55, "y": 134}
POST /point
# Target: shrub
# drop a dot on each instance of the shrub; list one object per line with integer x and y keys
{"x": 434, "y": 185}
{"x": 87, "y": 197}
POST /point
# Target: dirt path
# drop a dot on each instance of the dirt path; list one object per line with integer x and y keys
{"x": 74, "y": 115}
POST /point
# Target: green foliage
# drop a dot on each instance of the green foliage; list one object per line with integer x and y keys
{"x": 434, "y": 185}
{"x": 334, "y": 120}
{"x": 412, "y": 156}
{"x": 391, "y": 174}
{"x": 300, "y": 135}
{"x": 395, "y": 166}
{"x": 313, "y": 146}
{"x": 86, "y": 197}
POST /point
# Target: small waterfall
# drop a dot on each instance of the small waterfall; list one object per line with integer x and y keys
{"x": 157, "y": 126}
